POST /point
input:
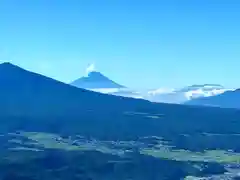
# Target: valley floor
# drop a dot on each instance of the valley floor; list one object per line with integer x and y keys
{"x": 39, "y": 155}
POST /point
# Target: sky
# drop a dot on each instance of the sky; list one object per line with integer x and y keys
{"x": 137, "y": 43}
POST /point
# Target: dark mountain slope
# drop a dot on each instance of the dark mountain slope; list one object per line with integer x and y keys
{"x": 26, "y": 93}
{"x": 228, "y": 99}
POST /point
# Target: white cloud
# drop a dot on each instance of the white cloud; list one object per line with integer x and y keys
{"x": 204, "y": 93}
{"x": 90, "y": 68}
{"x": 161, "y": 91}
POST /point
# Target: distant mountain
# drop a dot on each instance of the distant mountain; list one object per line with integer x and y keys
{"x": 185, "y": 94}
{"x": 95, "y": 80}
{"x": 228, "y": 99}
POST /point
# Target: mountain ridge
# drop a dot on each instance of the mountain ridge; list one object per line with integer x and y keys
{"x": 28, "y": 92}
{"x": 228, "y": 99}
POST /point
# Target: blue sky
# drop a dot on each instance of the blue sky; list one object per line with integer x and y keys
{"x": 138, "y": 43}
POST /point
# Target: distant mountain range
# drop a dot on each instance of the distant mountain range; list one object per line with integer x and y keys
{"x": 96, "y": 81}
